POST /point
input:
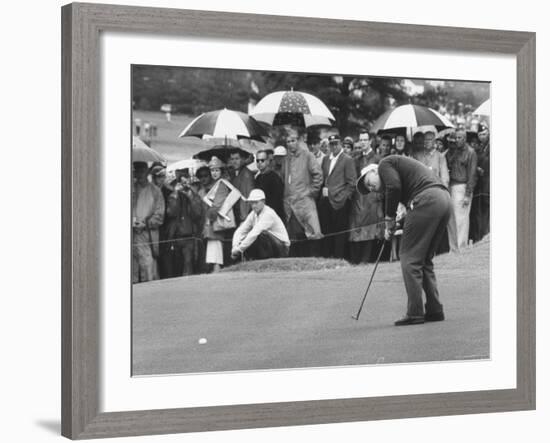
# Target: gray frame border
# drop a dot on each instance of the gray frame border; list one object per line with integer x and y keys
{"x": 82, "y": 24}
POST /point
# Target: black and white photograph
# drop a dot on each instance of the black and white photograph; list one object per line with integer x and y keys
{"x": 307, "y": 220}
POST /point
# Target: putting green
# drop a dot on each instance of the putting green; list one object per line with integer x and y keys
{"x": 290, "y": 319}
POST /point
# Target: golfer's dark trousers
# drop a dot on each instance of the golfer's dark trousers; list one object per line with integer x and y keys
{"x": 423, "y": 230}
{"x": 266, "y": 246}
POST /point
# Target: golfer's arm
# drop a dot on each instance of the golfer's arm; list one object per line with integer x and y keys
{"x": 392, "y": 189}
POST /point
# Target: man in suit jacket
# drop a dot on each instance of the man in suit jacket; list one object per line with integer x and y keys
{"x": 339, "y": 183}
{"x": 243, "y": 179}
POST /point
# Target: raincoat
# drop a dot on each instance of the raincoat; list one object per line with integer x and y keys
{"x": 302, "y": 178}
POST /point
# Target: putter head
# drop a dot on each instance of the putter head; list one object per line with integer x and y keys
{"x": 355, "y": 317}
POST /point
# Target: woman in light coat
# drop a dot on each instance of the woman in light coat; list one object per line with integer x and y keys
{"x": 220, "y": 219}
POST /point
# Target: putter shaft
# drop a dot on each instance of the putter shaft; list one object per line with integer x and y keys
{"x": 356, "y": 317}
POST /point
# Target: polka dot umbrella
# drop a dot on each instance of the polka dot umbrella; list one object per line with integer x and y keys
{"x": 292, "y": 107}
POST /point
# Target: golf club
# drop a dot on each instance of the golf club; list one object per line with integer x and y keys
{"x": 356, "y": 317}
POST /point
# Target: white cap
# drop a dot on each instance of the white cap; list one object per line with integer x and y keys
{"x": 360, "y": 185}
{"x": 256, "y": 195}
{"x": 279, "y": 151}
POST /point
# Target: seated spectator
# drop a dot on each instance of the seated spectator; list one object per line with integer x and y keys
{"x": 262, "y": 235}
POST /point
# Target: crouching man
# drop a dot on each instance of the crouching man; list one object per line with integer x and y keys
{"x": 262, "y": 234}
{"x": 402, "y": 179}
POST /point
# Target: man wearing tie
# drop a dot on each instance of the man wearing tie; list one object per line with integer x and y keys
{"x": 339, "y": 178}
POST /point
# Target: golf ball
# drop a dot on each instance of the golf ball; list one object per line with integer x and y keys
{"x": 202, "y": 341}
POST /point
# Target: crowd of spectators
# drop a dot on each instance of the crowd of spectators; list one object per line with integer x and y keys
{"x": 301, "y": 201}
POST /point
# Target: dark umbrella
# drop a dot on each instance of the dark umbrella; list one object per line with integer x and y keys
{"x": 221, "y": 151}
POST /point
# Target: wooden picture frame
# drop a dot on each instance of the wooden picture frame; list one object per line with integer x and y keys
{"x": 81, "y": 27}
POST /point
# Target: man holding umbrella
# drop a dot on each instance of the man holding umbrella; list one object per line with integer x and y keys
{"x": 405, "y": 180}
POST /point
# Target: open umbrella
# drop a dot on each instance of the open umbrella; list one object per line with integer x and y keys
{"x": 410, "y": 116}
{"x": 484, "y": 108}
{"x": 189, "y": 163}
{"x": 292, "y": 107}
{"x": 225, "y": 124}
{"x": 143, "y": 153}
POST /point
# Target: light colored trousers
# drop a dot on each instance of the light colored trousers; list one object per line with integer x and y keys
{"x": 144, "y": 265}
{"x": 214, "y": 252}
{"x": 459, "y": 223}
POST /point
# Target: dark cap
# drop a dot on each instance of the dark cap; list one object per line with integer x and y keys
{"x": 334, "y": 138}
{"x": 140, "y": 165}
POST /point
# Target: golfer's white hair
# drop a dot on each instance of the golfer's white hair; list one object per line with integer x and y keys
{"x": 369, "y": 168}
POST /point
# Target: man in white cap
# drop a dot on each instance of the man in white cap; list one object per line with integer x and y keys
{"x": 405, "y": 180}
{"x": 262, "y": 234}
{"x": 279, "y": 155}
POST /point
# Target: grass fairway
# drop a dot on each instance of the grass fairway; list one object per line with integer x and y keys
{"x": 291, "y": 319}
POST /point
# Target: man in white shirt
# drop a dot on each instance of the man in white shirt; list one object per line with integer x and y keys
{"x": 262, "y": 235}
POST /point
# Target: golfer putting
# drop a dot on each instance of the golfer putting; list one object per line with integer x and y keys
{"x": 405, "y": 180}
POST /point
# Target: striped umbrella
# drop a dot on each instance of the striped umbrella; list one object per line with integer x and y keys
{"x": 410, "y": 116}
{"x": 225, "y": 124}
{"x": 292, "y": 107}
{"x": 143, "y": 153}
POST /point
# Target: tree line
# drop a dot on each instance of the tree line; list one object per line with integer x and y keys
{"x": 355, "y": 101}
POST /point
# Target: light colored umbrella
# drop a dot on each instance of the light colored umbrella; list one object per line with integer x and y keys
{"x": 286, "y": 107}
{"x": 484, "y": 108}
{"x": 143, "y": 153}
{"x": 410, "y": 116}
{"x": 189, "y": 163}
{"x": 225, "y": 124}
